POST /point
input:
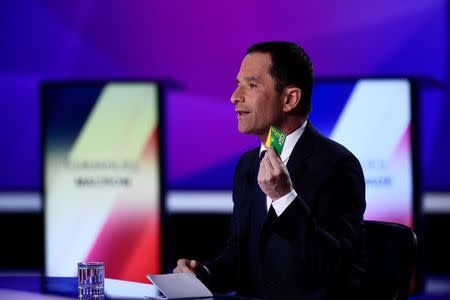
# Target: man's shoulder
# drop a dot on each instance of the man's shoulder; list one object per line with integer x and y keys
{"x": 247, "y": 161}
{"x": 328, "y": 148}
{"x": 250, "y": 156}
{"x": 332, "y": 146}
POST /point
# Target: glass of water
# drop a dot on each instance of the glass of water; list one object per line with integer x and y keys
{"x": 91, "y": 280}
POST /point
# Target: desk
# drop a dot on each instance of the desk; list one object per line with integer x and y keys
{"x": 29, "y": 288}
{"x": 33, "y": 288}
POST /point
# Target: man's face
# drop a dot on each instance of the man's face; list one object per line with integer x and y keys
{"x": 256, "y": 102}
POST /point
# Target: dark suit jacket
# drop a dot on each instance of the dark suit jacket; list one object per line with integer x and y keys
{"x": 313, "y": 248}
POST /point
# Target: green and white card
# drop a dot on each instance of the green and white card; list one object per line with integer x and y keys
{"x": 276, "y": 139}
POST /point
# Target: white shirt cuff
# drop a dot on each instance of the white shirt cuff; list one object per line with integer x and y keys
{"x": 281, "y": 204}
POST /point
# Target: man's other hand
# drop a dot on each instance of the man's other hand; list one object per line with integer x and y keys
{"x": 191, "y": 266}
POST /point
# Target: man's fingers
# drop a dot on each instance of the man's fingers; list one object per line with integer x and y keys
{"x": 267, "y": 164}
{"x": 182, "y": 270}
{"x": 181, "y": 262}
{"x": 262, "y": 174}
{"x": 274, "y": 158}
{"x": 273, "y": 165}
{"x": 183, "y": 266}
{"x": 186, "y": 269}
{"x": 193, "y": 264}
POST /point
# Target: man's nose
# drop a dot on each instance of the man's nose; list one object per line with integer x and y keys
{"x": 236, "y": 96}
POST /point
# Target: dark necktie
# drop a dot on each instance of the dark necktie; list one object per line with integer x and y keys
{"x": 268, "y": 218}
{"x": 262, "y": 197}
{"x": 271, "y": 216}
{"x": 258, "y": 217}
{"x": 271, "y": 213}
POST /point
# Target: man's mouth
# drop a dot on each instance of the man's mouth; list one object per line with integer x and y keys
{"x": 242, "y": 113}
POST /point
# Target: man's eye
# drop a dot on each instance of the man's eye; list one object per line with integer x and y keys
{"x": 252, "y": 85}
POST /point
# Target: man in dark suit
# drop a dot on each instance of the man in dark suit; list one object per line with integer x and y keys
{"x": 296, "y": 224}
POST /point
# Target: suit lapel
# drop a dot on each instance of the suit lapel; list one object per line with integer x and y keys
{"x": 302, "y": 150}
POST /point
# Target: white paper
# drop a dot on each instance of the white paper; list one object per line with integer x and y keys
{"x": 180, "y": 285}
{"x": 128, "y": 289}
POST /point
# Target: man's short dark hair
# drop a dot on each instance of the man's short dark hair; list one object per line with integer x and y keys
{"x": 290, "y": 66}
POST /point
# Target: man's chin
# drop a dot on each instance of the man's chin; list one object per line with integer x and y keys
{"x": 244, "y": 130}
{"x": 247, "y": 130}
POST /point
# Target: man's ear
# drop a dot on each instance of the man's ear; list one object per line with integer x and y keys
{"x": 292, "y": 98}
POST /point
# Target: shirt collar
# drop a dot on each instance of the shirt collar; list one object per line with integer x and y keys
{"x": 289, "y": 144}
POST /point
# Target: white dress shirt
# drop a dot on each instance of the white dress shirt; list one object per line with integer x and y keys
{"x": 281, "y": 204}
